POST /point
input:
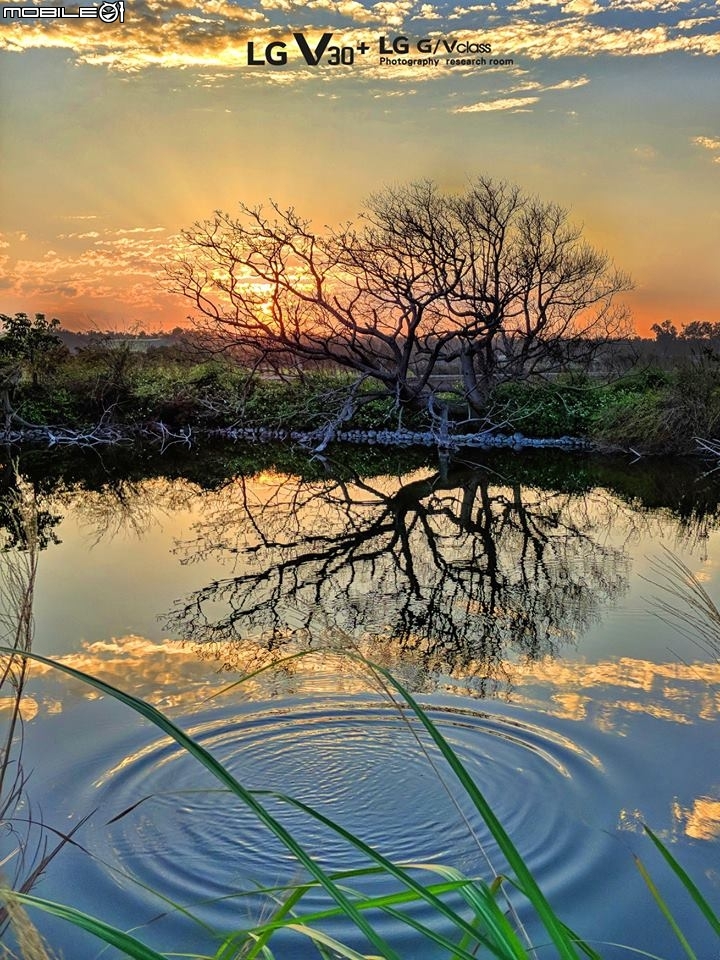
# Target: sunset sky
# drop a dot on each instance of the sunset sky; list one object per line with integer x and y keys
{"x": 115, "y": 136}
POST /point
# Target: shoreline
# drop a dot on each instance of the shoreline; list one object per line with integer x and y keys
{"x": 315, "y": 441}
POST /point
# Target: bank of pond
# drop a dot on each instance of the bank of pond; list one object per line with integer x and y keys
{"x": 106, "y": 395}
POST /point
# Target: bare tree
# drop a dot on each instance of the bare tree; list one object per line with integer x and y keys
{"x": 267, "y": 285}
{"x": 519, "y": 293}
{"x": 487, "y": 285}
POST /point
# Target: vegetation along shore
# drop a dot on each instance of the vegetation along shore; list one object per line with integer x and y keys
{"x": 60, "y": 388}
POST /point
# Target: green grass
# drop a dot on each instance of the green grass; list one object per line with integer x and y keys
{"x": 469, "y": 916}
{"x": 649, "y": 410}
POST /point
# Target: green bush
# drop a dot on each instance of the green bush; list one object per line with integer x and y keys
{"x": 547, "y": 410}
{"x": 651, "y": 410}
{"x": 668, "y": 416}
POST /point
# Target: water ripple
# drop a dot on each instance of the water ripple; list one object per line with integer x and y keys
{"x": 361, "y": 762}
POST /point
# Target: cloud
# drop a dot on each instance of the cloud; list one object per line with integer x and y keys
{"x": 218, "y": 9}
{"x": 577, "y": 37}
{"x": 400, "y": 73}
{"x": 645, "y": 153}
{"x": 393, "y": 14}
{"x": 475, "y": 8}
{"x": 697, "y": 22}
{"x": 644, "y": 6}
{"x": 522, "y": 5}
{"x": 538, "y": 87}
{"x": 142, "y": 230}
{"x": 584, "y": 7}
{"x": 384, "y": 94}
{"x": 346, "y": 8}
{"x": 213, "y": 36}
{"x": 512, "y": 103}
{"x": 709, "y": 143}
{"x": 95, "y": 234}
{"x": 90, "y": 235}
{"x": 14, "y": 236}
{"x": 390, "y": 13}
{"x": 427, "y": 12}
{"x": 118, "y": 266}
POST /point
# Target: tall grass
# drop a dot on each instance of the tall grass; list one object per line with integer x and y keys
{"x": 18, "y": 819}
{"x": 469, "y": 916}
{"x": 685, "y": 603}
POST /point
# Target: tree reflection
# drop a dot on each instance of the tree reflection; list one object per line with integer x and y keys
{"x": 452, "y": 569}
{"x": 127, "y": 507}
{"x": 26, "y": 520}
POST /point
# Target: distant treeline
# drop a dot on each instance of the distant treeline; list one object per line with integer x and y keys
{"x": 81, "y": 339}
{"x": 667, "y": 344}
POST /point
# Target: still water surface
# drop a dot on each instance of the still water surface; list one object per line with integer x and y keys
{"x": 512, "y": 595}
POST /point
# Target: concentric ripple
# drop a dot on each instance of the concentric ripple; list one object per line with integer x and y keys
{"x": 167, "y": 825}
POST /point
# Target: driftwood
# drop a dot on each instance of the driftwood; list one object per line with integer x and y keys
{"x": 315, "y": 440}
{"x": 709, "y": 448}
{"x": 100, "y": 435}
{"x": 400, "y": 438}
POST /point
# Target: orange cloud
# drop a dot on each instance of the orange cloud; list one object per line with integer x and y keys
{"x": 183, "y": 34}
{"x": 120, "y": 267}
{"x": 511, "y": 103}
{"x": 709, "y": 143}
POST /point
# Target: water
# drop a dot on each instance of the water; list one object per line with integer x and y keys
{"x": 511, "y": 596}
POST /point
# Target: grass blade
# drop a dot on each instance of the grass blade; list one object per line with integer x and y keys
{"x": 159, "y": 720}
{"x": 658, "y": 898}
{"x": 398, "y": 872}
{"x": 555, "y": 928}
{"x": 327, "y": 941}
{"x": 388, "y": 903}
{"x": 363, "y": 902}
{"x": 103, "y": 931}
{"x": 581, "y": 944}
{"x": 700, "y": 901}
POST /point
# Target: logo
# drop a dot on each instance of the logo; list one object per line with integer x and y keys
{"x": 393, "y": 51}
{"x": 107, "y": 12}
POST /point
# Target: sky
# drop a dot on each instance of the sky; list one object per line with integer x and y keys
{"x": 114, "y": 136}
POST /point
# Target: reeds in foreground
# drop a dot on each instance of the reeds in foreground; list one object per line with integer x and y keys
{"x": 685, "y": 604}
{"x": 483, "y": 924}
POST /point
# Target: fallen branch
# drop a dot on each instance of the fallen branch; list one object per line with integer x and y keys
{"x": 709, "y": 447}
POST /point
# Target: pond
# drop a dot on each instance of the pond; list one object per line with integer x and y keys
{"x": 537, "y": 605}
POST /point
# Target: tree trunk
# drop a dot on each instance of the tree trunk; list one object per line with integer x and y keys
{"x": 474, "y": 393}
